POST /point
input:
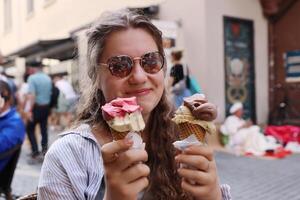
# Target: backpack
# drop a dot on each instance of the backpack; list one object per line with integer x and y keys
{"x": 192, "y": 83}
{"x": 54, "y": 96}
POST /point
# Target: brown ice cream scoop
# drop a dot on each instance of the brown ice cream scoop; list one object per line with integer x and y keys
{"x": 200, "y": 108}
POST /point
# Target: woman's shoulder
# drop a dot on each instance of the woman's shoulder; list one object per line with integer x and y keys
{"x": 13, "y": 117}
{"x": 74, "y": 140}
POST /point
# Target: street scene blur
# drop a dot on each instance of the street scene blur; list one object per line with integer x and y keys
{"x": 243, "y": 55}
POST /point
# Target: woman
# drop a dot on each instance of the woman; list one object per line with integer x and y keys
{"x": 126, "y": 59}
{"x": 12, "y": 129}
{"x": 12, "y": 132}
{"x": 177, "y": 80}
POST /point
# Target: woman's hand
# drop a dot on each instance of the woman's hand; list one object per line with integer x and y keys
{"x": 125, "y": 174}
{"x": 199, "y": 174}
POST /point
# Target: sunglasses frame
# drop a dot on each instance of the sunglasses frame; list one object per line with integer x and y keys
{"x": 132, "y": 63}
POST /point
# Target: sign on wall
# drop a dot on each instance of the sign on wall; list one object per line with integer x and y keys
{"x": 292, "y": 66}
{"x": 239, "y": 65}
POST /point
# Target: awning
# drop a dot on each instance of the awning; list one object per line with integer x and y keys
{"x": 61, "y": 49}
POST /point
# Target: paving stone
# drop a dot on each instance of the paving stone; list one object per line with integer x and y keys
{"x": 259, "y": 179}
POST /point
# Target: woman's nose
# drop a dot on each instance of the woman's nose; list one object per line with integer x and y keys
{"x": 138, "y": 75}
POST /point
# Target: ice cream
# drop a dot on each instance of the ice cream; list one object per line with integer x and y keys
{"x": 123, "y": 115}
{"x": 195, "y": 116}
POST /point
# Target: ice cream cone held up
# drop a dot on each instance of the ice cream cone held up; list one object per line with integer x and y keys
{"x": 195, "y": 116}
{"x": 122, "y": 116}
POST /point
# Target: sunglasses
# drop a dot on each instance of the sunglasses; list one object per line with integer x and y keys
{"x": 121, "y": 66}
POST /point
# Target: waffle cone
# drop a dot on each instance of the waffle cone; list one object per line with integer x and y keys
{"x": 118, "y": 135}
{"x": 187, "y": 129}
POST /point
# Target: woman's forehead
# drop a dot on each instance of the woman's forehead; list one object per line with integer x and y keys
{"x": 129, "y": 41}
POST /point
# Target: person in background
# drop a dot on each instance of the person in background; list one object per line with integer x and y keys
{"x": 177, "y": 80}
{"x": 12, "y": 130}
{"x": 126, "y": 59}
{"x": 53, "y": 119}
{"x": 244, "y": 137}
{"x": 67, "y": 99}
{"x": 22, "y": 98}
{"x": 11, "y": 82}
{"x": 39, "y": 94}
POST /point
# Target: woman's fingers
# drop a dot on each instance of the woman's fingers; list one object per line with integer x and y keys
{"x": 135, "y": 172}
{"x": 130, "y": 157}
{"x": 194, "y": 161}
{"x": 198, "y": 157}
{"x": 202, "y": 150}
{"x": 139, "y": 184}
{"x": 194, "y": 176}
{"x": 110, "y": 151}
{"x": 194, "y": 189}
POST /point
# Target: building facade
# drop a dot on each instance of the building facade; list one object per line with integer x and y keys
{"x": 200, "y": 33}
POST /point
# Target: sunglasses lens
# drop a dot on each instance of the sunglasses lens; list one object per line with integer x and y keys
{"x": 120, "y": 66}
{"x": 152, "y": 62}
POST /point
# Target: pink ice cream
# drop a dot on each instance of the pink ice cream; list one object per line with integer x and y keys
{"x": 123, "y": 114}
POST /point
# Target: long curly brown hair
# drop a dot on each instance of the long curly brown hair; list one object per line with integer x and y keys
{"x": 160, "y": 131}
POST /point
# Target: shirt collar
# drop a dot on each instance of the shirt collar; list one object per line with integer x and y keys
{"x": 83, "y": 130}
{"x": 5, "y": 112}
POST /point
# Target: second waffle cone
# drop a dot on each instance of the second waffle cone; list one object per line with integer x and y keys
{"x": 187, "y": 129}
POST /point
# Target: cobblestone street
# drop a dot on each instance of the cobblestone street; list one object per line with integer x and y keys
{"x": 260, "y": 179}
{"x": 27, "y": 176}
{"x": 249, "y": 178}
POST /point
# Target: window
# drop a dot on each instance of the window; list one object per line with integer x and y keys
{"x": 30, "y": 7}
{"x": 7, "y": 16}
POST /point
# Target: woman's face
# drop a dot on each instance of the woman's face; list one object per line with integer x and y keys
{"x": 148, "y": 88}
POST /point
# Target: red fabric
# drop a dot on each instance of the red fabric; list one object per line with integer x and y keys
{"x": 278, "y": 153}
{"x": 285, "y": 133}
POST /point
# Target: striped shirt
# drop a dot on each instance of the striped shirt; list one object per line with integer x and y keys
{"x": 73, "y": 168}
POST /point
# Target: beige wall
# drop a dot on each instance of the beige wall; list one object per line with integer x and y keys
{"x": 202, "y": 24}
{"x": 242, "y": 9}
{"x": 53, "y": 20}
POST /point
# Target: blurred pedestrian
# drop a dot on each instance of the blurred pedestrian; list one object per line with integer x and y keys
{"x": 22, "y": 99}
{"x": 39, "y": 94}
{"x": 11, "y": 82}
{"x": 244, "y": 136}
{"x": 53, "y": 119}
{"x": 12, "y": 132}
{"x": 177, "y": 81}
{"x": 66, "y": 101}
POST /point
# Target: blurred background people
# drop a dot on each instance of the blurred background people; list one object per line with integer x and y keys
{"x": 244, "y": 137}
{"x": 12, "y": 132}
{"x": 66, "y": 100}
{"x": 53, "y": 119}
{"x": 39, "y": 95}
{"x": 177, "y": 80}
{"x": 22, "y": 98}
{"x": 11, "y": 83}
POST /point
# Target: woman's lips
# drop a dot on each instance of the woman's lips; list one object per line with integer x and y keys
{"x": 140, "y": 92}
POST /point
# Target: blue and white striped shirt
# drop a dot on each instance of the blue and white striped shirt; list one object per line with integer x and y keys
{"x": 73, "y": 168}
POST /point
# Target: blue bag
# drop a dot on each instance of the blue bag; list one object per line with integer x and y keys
{"x": 193, "y": 85}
